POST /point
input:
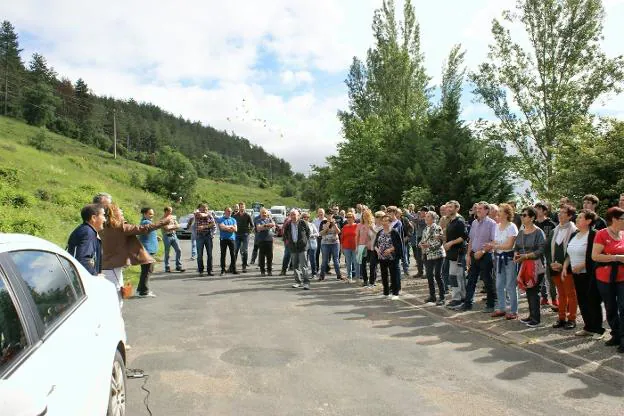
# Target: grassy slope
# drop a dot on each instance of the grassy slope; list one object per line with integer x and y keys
{"x": 41, "y": 193}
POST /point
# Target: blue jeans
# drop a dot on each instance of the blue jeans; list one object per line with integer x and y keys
{"x": 350, "y": 261}
{"x": 242, "y": 244}
{"x": 204, "y": 240}
{"x": 193, "y": 244}
{"x": 312, "y": 260}
{"x": 327, "y": 250}
{"x": 172, "y": 241}
{"x": 506, "y": 283}
{"x": 405, "y": 259}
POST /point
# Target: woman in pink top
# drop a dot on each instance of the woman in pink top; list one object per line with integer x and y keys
{"x": 364, "y": 243}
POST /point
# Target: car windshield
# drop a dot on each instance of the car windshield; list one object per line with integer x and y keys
{"x": 185, "y": 219}
{"x": 276, "y": 211}
{"x": 219, "y": 213}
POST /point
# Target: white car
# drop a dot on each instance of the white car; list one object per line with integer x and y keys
{"x": 62, "y": 338}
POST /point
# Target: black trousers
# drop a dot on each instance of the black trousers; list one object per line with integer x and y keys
{"x": 373, "y": 261}
{"x": 481, "y": 268}
{"x": 589, "y": 302}
{"x": 228, "y": 244}
{"x": 613, "y": 296}
{"x": 395, "y": 284}
{"x": 146, "y": 271}
{"x": 364, "y": 268}
{"x": 434, "y": 272}
{"x": 533, "y": 299}
{"x": 265, "y": 249}
{"x": 418, "y": 256}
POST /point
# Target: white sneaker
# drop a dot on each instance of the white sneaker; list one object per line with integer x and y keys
{"x": 149, "y": 294}
{"x": 395, "y": 297}
{"x": 351, "y": 280}
{"x": 297, "y": 285}
{"x": 383, "y": 296}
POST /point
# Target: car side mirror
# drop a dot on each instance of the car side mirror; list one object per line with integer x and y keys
{"x": 20, "y": 400}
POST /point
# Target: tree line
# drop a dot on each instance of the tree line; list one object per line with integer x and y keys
{"x": 35, "y": 93}
{"x": 405, "y": 141}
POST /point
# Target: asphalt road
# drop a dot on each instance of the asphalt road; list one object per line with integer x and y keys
{"x": 246, "y": 345}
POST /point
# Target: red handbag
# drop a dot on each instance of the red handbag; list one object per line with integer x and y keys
{"x": 527, "y": 275}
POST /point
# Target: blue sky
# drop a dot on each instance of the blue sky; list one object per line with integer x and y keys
{"x": 234, "y": 65}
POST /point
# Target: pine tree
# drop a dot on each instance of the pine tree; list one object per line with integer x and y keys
{"x": 11, "y": 70}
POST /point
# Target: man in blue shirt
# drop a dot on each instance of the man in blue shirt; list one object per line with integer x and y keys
{"x": 150, "y": 242}
{"x": 227, "y": 234}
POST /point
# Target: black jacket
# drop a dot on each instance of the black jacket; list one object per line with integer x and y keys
{"x": 397, "y": 242}
{"x": 86, "y": 247}
{"x": 589, "y": 263}
{"x": 303, "y": 235}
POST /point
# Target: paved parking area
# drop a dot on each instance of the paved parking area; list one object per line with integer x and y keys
{"x": 247, "y": 345}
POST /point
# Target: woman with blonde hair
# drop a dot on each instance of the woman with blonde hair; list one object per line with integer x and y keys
{"x": 363, "y": 240}
{"x": 120, "y": 245}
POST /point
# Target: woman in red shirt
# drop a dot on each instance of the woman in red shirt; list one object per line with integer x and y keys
{"x": 349, "y": 245}
{"x": 608, "y": 253}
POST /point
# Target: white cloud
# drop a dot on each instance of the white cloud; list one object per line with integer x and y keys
{"x": 296, "y": 77}
{"x": 200, "y": 59}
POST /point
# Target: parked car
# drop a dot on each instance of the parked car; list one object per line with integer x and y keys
{"x": 279, "y": 224}
{"x": 218, "y": 214}
{"x": 185, "y": 230}
{"x": 62, "y": 338}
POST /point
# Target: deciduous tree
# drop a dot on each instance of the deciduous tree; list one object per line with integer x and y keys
{"x": 538, "y": 93}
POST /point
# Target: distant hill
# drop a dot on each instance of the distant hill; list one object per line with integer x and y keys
{"x": 35, "y": 93}
{"x": 42, "y": 191}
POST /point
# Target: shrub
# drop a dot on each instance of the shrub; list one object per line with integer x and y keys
{"x": 15, "y": 199}
{"x": 27, "y": 226}
{"x": 9, "y": 147}
{"x": 9, "y": 175}
{"x": 43, "y": 194}
{"x": 288, "y": 190}
{"x": 40, "y": 141}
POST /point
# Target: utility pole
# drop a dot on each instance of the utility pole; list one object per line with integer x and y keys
{"x": 115, "y": 132}
{"x": 6, "y": 78}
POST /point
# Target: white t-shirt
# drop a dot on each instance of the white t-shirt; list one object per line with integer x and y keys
{"x": 501, "y": 236}
{"x": 577, "y": 247}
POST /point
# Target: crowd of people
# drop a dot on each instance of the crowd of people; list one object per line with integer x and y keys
{"x": 566, "y": 260}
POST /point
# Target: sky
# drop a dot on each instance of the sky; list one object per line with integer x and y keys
{"x": 270, "y": 71}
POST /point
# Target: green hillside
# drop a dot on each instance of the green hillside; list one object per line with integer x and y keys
{"x": 41, "y": 192}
